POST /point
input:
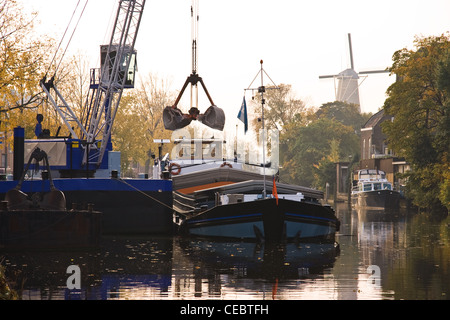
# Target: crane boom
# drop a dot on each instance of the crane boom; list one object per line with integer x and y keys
{"x": 117, "y": 73}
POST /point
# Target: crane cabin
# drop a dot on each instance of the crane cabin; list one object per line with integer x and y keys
{"x": 127, "y": 65}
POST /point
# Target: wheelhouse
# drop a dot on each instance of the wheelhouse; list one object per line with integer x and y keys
{"x": 374, "y": 186}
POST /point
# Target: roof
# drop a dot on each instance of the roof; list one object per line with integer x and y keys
{"x": 256, "y": 186}
{"x": 232, "y": 180}
{"x": 375, "y": 119}
{"x": 214, "y": 175}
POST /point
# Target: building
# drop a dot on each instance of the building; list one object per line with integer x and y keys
{"x": 375, "y": 153}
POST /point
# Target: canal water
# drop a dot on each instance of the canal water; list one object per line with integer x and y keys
{"x": 375, "y": 257}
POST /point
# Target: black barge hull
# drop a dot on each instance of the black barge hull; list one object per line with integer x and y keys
{"x": 44, "y": 229}
{"x": 128, "y": 206}
{"x": 265, "y": 220}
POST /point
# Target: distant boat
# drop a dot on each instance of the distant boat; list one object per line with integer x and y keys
{"x": 373, "y": 191}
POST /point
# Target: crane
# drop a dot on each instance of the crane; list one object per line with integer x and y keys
{"x": 213, "y": 117}
{"x": 117, "y": 71}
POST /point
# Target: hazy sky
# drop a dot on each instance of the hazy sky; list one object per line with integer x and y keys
{"x": 298, "y": 41}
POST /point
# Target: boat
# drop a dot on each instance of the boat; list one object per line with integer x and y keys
{"x": 193, "y": 155}
{"x": 238, "y": 211}
{"x": 372, "y": 190}
{"x": 41, "y": 220}
{"x": 230, "y": 201}
{"x": 83, "y": 163}
{"x": 268, "y": 220}
{"x": 128, "y": 205}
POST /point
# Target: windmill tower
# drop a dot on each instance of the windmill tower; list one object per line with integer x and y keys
{"x": 348, "y": 80}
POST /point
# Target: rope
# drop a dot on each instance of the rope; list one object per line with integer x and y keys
{"x": 73, "y": 32}
{"x": 64, "y": 35}
{"x": 57, "y": 49}
{"x": 150, "y": 197}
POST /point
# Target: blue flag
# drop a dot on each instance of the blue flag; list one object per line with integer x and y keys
{"x": 242, "y": 115}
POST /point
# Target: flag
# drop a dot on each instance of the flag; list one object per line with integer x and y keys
{"x": 242, "y": 115}
{"x": 274, "y": 190}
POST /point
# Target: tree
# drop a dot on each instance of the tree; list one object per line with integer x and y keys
{"x": 73, "y": 81}
{"x": 285, "y": 113}
{"x": 281, "y": 108}
{"x": 22, "y": 60}
{"x": 419, "y": 104}
{"x": 314, "y": 141}
{"x": 139, "y": 121}
{"x": 346, "y": 113}
{"x": 23, "y": 57}
{"x": 313, "y": 150}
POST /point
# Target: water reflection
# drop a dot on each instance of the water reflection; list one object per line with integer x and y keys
{"x": 231, "y": 268}
{"x": 412, "y": 252}
{"x": 378, "y": 256}
{"x": 113, "y": 272}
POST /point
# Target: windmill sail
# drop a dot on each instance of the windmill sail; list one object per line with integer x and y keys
{"x": 348, "y": 80}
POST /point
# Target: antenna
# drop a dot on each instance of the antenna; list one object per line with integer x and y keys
{"x": 261, "y": 89}
{"x": 194, "y": 31}
{"x": 194, "y": 35}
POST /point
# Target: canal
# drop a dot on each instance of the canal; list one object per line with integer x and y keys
{"x": 375, "y": 257}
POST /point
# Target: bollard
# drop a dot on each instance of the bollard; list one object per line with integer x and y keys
{"x": 19, "y": 145}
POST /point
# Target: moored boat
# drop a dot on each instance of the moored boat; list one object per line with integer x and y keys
{"x": 128, "y": 206}
{"x": 42, "y": 221}
{"x": 374, "y": 191}
{"x": 83, "y": 161}
{"x": 230, "y": 202}
{"x": 234, "y": 208}
{"x": 265, "y": 220}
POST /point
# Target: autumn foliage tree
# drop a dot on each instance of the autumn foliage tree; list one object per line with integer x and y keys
{"x": 139, "y": 121}
{"x": 281, "y": 107}
{"x": 23, "y": 58}
{"x": 419, "y": 102}
{"x": 312, "y": 149}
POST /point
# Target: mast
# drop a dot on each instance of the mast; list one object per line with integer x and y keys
{"x": 117, "y": 66}
{"x": 261, "y": 90}
{"x": 194, "y": 31}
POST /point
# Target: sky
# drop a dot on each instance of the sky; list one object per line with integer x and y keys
{"x": 297, "y": 40}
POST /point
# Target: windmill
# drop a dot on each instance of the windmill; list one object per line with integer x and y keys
{"x": 348, "y": 80}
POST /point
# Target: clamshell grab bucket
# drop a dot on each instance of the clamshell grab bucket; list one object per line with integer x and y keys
{"x": 214, "y": 117}
{"x": 174, "y": 119}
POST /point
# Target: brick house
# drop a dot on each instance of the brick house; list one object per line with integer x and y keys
{"x": 375, "y": 153}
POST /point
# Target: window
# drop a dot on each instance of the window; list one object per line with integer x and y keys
{"x": 364, "y": 149}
